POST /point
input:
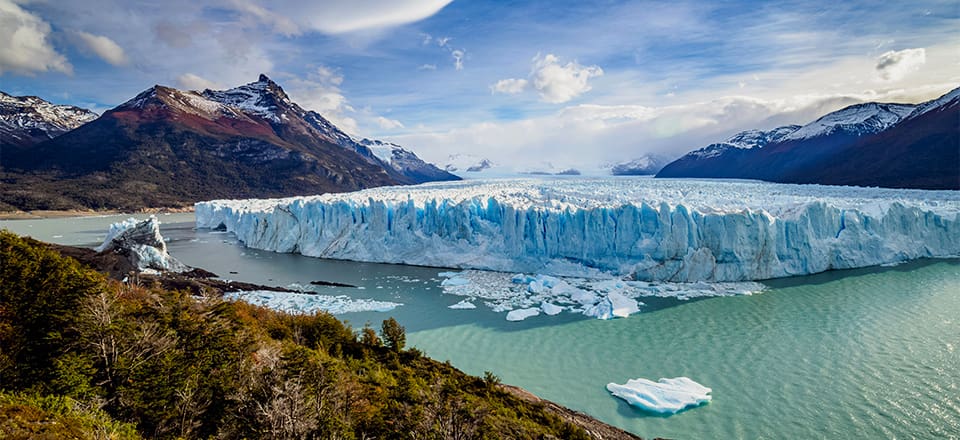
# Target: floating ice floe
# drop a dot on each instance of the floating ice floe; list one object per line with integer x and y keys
{"x": 306, "y": 303}
{"x": 465, "y": 304}
{"x": 640, "y": 229}
{"x": 521, "y": 295}
{"x": 666, "y": 396}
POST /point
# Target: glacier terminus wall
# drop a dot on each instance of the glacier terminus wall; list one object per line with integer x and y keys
{"x": 638, "y": 228}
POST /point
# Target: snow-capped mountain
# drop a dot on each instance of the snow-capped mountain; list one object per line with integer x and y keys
{"x": 855, "y": 120}
{"x": 402, "y": 160}
{"x": 27, "y": 120}
{"x": 648, "y": 164}
{"x": 461, "y": 163}
{"x": 863, "y": 144}
{"x": 170, "y": 147}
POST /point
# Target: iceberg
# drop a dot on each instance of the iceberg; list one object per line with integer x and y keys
{"x": 142, "y": 243}
{"x": 521, "y": 314}
{"x": 666, "y": 396}
{"x": 683, "y": 231}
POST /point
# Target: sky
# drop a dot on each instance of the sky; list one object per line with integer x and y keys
{"x": 530, "y": 84}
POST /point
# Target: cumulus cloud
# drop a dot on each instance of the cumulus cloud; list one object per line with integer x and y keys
{"x": 24, "y": 47}
{"x": 195, "y": 82}
{"x": 388, "y": 124}
{"x": 103, "y": 47}
{"x": 555, "y": 82}
{"x": 560, "y": 83}
{"x": 896, "y": 64}
{"x": 509, "y": 86}
{"x": 337, "y": 16}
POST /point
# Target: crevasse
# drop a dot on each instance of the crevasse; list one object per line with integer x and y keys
{"x": 646, "y": 229}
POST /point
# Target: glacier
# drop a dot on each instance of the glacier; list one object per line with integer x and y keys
{"x": 682, "y": 231}
{"x": 146, "y": 247}
{"x": 665, "y": 396}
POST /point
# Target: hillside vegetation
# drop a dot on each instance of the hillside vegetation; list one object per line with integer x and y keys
{"x": 82, "y": 356}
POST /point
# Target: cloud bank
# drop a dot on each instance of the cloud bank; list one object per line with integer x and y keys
{"x": 24, "y": 44}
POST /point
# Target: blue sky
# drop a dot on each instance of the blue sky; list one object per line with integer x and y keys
{"x": 520, "y": 82}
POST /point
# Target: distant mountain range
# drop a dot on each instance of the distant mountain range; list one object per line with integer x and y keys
{"x": 27, "y": 120}
{"x": 870, "y": 144}
{"x": 646, "y": 165}
{"x": 168, "y": 147}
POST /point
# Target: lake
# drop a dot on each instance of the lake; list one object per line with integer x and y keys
{"x": 864, "y": 353}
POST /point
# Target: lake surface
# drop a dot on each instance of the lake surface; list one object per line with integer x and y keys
{"x": 865, "y": 353}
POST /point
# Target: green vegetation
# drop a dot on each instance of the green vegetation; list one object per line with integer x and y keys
{"x": 82, "y": 356}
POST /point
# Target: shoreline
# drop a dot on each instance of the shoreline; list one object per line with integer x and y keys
{"x": 202, "y": 282}
{"x": 46, "y": 214}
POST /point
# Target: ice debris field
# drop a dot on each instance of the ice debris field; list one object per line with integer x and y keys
{"x": 587, "y": 232}
{"x": 665, "y": 396}
{"x": 523, "y": 296}
{"x": 307, "y": 303}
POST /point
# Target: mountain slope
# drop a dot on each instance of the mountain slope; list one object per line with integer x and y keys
{"x": 167, "y": 147}
{"x": 646, "y": 165}
{"x": 724, "y": 159}
{"x": 874, "y": 144}
{"x": 28, "y": 120}
{"x": 922, "y": 151}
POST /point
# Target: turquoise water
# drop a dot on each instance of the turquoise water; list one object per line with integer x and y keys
{"x": 867, "y": 353}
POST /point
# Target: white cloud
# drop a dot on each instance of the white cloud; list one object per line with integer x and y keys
{"x": 457, "y": 58}
{"x": 509, "y": 86}
{"x": 388, "y": 124}
{"x": 277, "y": 22}
{"x": 320, "y": 92}
{"x": 560, "y": 83}
{"x": 427, "y": 67}
{"x": 103, "y": 47}
{"x": 896, "y": 64}
{"x": 338, "y": 16}
{"x": 24, "y": 47}
{"x": 556, "y": 83}
{"x": 621, "y": 132}
{"x": 443, "y": 41}
{"x": 194, "y": 82}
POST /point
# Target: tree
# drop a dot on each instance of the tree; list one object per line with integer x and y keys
{"x": 368, "y": 336}
{"x": 393, "y": 334}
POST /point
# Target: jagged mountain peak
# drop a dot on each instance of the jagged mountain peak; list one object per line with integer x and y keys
{"x": 27, "y": 120}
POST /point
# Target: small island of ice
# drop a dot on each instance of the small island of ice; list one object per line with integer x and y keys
{"x": 666, "y": 396}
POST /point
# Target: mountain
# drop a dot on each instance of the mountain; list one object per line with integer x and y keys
{"x": 921, "y": 151}
{"x": 28, "y": 120}
{"x": 646, "y": 165}
{"x": 724, "y": 159}
{"x": 870, "y": 144}
{"x": 168, "y": 147}
{"x": 461, "y": 163}
{"x": 403, "y": 161}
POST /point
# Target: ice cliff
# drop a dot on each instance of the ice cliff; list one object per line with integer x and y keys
{"x": 142, "y": 244}
{"x": 650, "y": 230}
